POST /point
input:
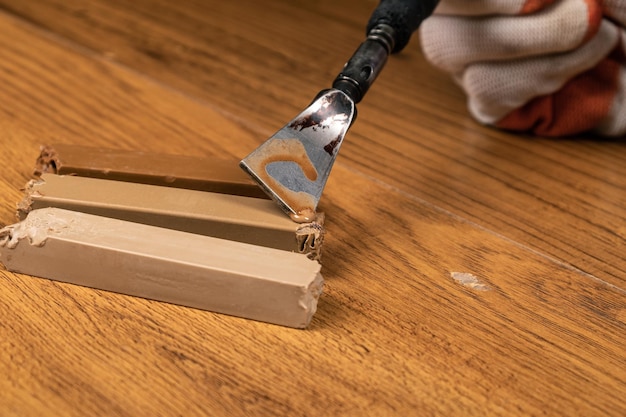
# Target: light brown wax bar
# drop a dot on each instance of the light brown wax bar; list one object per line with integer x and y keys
{"x": 244, "y": 219}
{"x": 228, "y": 277}
{"x": 194, "y": 173}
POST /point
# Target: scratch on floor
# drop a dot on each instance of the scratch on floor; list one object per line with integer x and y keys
{"x": 469, "y": 280}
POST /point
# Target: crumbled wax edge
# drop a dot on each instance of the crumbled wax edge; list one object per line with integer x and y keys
{"x": 25, "y": 205}
{"x": 310, "y": 298}
{"x": 36, "y": 232}
{"x": 47, "y": 161}
{"x": 310, "y": 237}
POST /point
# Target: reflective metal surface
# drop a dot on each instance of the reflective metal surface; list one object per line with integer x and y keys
{"x": 293, "y": 165}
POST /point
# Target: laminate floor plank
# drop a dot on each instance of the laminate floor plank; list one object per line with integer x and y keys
{"x": 261, "y": 62}
{"x": 425, "y": 311}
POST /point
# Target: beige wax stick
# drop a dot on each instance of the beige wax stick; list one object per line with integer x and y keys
{"x": 194, "y": 173}
{"x": 244, "y": 219}
{"x": 228, "y": 277}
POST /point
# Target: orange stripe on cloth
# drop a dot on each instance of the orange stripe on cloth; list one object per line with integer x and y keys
{"x": 531, "y": 6}
{"x": 578, "y": 107}
{"x": 594, "y": 13}
{"x": 594, "y": 18}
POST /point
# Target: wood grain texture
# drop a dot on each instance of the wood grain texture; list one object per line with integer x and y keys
{"x": 263, "y": 63}
{"x": 418, "y": 193}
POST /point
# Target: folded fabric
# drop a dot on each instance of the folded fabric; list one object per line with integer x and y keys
{"x": 551, "y": 67}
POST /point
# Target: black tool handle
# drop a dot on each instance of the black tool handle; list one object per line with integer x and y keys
{"x": 388, "y": 31}
{"x": 404, "y": 16}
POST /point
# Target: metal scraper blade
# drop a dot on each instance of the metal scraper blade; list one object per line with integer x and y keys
{"x": 293, "y": 165}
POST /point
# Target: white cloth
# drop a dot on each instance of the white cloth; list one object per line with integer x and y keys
{"x": 553, "y": 67}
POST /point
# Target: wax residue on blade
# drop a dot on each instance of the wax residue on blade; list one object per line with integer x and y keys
{"x": 287, "y": 150}
{"x": 306, "y": 215}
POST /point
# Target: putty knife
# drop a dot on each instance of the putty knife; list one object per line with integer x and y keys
{"x": 293, "y": 165}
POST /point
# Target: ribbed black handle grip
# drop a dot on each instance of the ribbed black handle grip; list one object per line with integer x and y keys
{"x": 404, "y": 16}
{"x": 388, "y": 31}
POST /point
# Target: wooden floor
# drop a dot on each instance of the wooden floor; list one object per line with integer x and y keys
{"x": 470, "y": 272}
